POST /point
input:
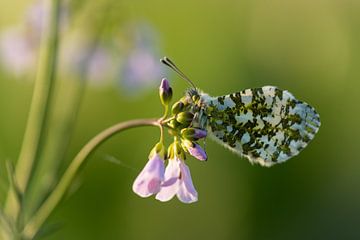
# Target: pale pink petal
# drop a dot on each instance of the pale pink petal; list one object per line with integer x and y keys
{"x": 149, "y": 180}
{"x": 186, "y": 192}
{"x": 171, "y": 184}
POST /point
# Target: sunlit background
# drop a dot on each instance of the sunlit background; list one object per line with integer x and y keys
{"x": 311, "y": 48}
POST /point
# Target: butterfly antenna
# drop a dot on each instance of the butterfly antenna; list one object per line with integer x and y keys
{"x": 171, "y": 64}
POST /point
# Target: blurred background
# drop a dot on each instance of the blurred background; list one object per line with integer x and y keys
{"x": 109, "y": 71}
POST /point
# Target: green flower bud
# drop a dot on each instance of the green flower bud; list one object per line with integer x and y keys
{"x": 193, "y": 134}
{"x": 165, "y": 92}
{"x": 174, "y": 124}
{"x": 177, "y": 107}
{"x": 185, "y": 118}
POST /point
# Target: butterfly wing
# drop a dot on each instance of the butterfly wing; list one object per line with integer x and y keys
{"x": 267, "y": 125}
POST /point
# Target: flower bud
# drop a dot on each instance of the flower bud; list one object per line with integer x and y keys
{"x": 177, "y": 107}
{"x": 174, "y": 124}
{"x": 185, "y": 117}
{"x": 165, "y": 92}
{"x": 194, "y": 150}
{"x": 193, "y": 134}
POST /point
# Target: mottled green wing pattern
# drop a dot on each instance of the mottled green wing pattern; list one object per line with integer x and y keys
{"x": 267, "y": 125}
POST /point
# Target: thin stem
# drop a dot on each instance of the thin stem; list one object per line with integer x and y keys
{"x": 38, "y": 110}
{"x": 166, "y": 111}
{"x": 33, "y": 226}
{"x": 167, "y": 120}
{"x": 166, "y": 108}
{"x": 162, "y": 138}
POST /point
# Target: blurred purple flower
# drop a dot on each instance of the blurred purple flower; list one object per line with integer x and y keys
{"x": 94, "y": 62}
{"x": 141, "y": 68}
{"x": 98, "y": 62}
{"x": 19, "y": 45}
{"x": 17, "y": 54}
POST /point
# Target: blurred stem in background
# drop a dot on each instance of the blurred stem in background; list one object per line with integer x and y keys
{"x": 63, "y": 124}
{"x": 58, "y": 137}
{"x": 38, "y": 115}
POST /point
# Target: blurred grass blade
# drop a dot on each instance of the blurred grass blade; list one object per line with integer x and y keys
{"x": 38, "y": 110}
{"x": 48, "y": 230}
{"x": 6, "y": 229}
{"x": 12, "y": 181}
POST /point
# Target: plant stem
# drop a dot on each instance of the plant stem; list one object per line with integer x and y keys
{"x": 33, "y": 226}
{"x": 38, "y": 111}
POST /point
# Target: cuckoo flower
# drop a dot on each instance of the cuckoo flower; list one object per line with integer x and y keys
{"x": 148, "y": 182}
{"x": 177, "y": 180}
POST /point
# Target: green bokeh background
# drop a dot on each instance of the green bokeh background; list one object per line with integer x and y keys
{"x": 309, "y": 47}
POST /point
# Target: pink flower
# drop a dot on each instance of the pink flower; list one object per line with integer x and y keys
{"x": 148, "y": 182}
{"x": 177, "y": 181}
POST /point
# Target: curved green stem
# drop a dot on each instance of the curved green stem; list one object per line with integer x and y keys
{"x": 33, "y": 226}
{"x": 166, "y": 108}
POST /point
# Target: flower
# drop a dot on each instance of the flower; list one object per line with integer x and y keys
{"x": 177, "y": 181}
{"x": 148, "y": 182}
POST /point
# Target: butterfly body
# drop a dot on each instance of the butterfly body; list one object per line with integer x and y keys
{"x": 267, "y": 125}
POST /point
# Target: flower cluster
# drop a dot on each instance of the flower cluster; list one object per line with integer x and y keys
{"x": 175, "y": 179}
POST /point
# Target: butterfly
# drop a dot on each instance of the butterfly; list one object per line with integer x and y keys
{"x": 267, "y": 125}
